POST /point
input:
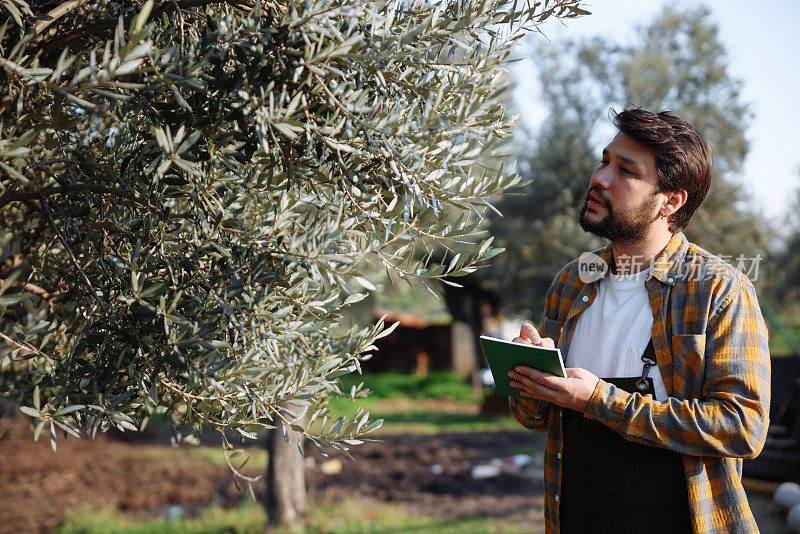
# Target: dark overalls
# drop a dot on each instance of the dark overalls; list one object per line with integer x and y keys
{"x": 610, "y": 484}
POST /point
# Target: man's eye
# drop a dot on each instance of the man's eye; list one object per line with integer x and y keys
{"x": 627, "y": 171}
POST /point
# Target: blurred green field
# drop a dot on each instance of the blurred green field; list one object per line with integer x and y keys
{"x": 396, "y": 385}
{"x": 778, "y": 344}
{"x": 441, "y": 401}
{"x": 352, "y": 516}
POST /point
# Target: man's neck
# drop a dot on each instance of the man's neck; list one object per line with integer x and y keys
{"x": 632, "y": 257}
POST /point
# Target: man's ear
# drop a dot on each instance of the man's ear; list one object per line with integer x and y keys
{"x": 675, "y": 200}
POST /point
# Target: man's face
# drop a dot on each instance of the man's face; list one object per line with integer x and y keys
{"x": 623, "y": 198}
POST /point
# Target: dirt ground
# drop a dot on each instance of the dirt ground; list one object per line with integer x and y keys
{"x": 433, "y": 474}
{"x": 38, "y": 486}
{"x": 142, "y": 475}
{"x": 429, "y": 474}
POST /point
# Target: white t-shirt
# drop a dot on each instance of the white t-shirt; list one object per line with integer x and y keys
{"x": 612, "y": 333}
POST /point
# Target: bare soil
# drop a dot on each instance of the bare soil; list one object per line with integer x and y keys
{"x": 433, "y": 474}
{"x": 430, "y": 474}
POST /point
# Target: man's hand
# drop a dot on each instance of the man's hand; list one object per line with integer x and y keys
{"x": 528, "y": 334}
{"x": 573, "y": 392}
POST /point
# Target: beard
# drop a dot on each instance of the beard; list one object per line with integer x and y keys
{"x": 623, "y": 227}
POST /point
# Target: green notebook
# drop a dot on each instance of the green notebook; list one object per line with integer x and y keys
{"x": 504, "y": 356}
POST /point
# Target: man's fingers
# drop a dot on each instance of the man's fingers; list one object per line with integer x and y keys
{"x": 572, "y": 391}
{"x": 519, "y": 380}
{"x": 528, "y": 372}
{"x": 522, "y": 372}
{"x": 528, "y": 331}
{"x": 548, "y": 342}
{"x": 543, "y": 341}
{"x": 532, "y": 389}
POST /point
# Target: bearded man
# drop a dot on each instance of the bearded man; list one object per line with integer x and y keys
{"x": 656, "y": 444}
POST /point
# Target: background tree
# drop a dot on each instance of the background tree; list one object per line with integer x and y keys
{"x": 190, "y": 189}
{"x": 677, "y": 64}
{"x": 784, "y": 264}
{"x": 683, "y": 67}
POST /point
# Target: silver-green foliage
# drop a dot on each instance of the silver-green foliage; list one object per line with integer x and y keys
{"x": 190, "y": 190}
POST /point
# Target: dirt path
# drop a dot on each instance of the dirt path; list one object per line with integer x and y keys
{"x": 430, "y": 474}
{"x": 433, "y": 473}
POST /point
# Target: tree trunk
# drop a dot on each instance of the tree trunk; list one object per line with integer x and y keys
{"x": 464, "y": 304}
{"x": 286, "y": 502}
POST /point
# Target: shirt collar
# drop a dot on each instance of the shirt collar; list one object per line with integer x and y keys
{"x": 666, "y": 263}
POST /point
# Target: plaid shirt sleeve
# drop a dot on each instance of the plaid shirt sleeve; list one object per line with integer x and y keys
{"x": 533, "y": 413}
{"x": 731, "y": 417}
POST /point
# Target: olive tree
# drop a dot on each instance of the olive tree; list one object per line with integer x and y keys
{"x": 190, "y": 189}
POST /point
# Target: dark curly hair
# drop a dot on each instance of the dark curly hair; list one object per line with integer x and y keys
{"x": 683, "y": 155}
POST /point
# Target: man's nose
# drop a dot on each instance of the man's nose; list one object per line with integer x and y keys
{"x": 601, "y": 178}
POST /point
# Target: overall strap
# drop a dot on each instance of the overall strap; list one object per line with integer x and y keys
{"x": 649, "y": 360}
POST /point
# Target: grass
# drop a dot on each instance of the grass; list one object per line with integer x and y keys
{"x": 395, "y": 385}
{"x": 360, "y": 516}
{"x": 353, "y": 515}
{"x": 790, "y": 317}
{"x": 439, "y": 402}
{"x": 777, "y": 343}
{"x": 248, "y": 517}
{"x": 426, "y": 422}
{"x": 256, "y": 457}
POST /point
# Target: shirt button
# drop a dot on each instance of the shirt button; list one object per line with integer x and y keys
{"x": 559, "y": 455}
{"x": 556, "y": 498}
{"x": 669, "y": 280}
{"x": 585, "y": 298}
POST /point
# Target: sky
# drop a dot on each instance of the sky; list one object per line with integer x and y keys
{"x": 762, "y": 40}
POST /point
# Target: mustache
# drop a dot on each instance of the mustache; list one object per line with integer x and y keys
{"x": 599, "y": 194}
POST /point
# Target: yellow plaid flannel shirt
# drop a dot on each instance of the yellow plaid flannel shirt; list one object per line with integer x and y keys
{"x": 710, "y": 341}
